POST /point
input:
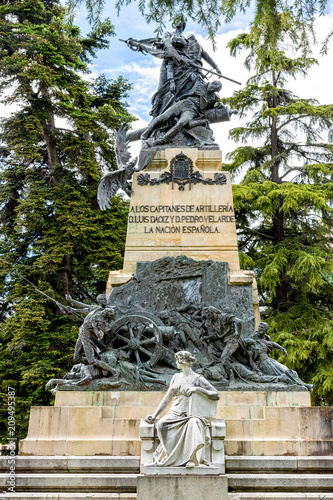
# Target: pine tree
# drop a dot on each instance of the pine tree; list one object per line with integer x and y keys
{"x": 54, "y": 148}
{"x": 284, "y": 202}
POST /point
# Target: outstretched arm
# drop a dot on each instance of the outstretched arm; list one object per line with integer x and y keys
{"x": 206, "y": 57}
{"x": 81, "y": 306}
{"x": 278, "y": 346}
{"x": 149, "y": 46}
{"x": 55, "y": 381}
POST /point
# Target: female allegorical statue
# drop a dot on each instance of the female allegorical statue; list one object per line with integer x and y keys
{"x": 183, "y": 438}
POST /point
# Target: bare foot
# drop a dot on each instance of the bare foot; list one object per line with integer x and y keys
{"x": 190, "y": 465}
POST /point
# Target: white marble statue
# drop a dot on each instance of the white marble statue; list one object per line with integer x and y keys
{"x": 183, "y": 438}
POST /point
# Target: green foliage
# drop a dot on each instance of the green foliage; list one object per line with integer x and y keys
{"x": 212, "y": 14}
{"x": 54, "y": 149}
{"x": 284, "y": 202}
{"x": 306, "y": 331}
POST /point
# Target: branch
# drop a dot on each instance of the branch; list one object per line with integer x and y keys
{"x": 291, "y": 120}
{"x": 58, "y": 129}
{"x": 290, "y": 170}
{"x": 258, "y": 233}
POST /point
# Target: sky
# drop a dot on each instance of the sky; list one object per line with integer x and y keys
{"x": 143, "y": 70}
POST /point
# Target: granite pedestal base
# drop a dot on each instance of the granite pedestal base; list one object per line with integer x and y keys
{"x": 258, "y": 423}
{"x": 180, "y": 487}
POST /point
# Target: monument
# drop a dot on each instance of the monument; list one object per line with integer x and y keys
{"x": 181, "y": 299}
{"x": 181, "y": 286}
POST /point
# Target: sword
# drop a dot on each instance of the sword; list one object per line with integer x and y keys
{"x": 213, "y": 72}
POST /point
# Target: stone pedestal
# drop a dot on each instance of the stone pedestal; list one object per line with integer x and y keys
{"x": 258, "y": 423}
{"x": 197, "y": 221}
{"x": 182, "y": 487}
{"x": 172, "y": 216}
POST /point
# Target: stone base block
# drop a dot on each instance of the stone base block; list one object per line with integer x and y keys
{"x": 182, "y": 487}
{"x": 107, "y": 423}
{"x": 120, "y": 401}
{"x": 133, "y": 496}
{"x": 317, "y": 483}
{"x": 92, "y": 483}
{"x": 181, "y": 471}
{"x": 165, "y": 220}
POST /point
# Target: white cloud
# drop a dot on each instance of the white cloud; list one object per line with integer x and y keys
{"x": 144, "y": 79}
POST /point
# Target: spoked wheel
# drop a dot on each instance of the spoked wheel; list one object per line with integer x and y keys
{"x": 139, "y": 336}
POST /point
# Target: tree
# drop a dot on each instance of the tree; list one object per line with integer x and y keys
{"x": 54, "y": 148}
{"x": 284, "y": 202}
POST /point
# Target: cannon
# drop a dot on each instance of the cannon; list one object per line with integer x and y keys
{"x": 140, "y": 336}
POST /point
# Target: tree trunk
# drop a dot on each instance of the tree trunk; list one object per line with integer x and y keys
{"x": 281, "y": 292}
{"x": 48, "y": 133}
{"x": 66, "y": 275}
{"x": 52, "y": 155}
{"x": 274, "y": 138}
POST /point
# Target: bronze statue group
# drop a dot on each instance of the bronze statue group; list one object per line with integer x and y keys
{"x": 109, "y": 344}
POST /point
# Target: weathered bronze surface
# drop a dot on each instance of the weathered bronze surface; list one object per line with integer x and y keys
{"x": 173, "y": 304}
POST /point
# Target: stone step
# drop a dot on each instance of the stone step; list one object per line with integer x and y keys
{"x": 302, "y": 483}
{"x": 126, "y": 483}
{"x": 108, "y": 477}
{"x": 132, "y": 496}
{"x": 72, "y": 464}
{"x": 110, "y": 483}
{"x": 279, "y": 464}
{"x": 123, "y": 464}
{"x": 280, "y": 496}
{"x": 69, "y": 496}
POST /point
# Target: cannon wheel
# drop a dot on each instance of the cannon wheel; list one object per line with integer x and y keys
{"x": 139, "y": 336}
